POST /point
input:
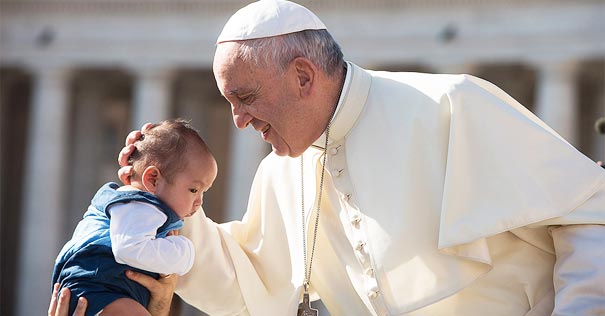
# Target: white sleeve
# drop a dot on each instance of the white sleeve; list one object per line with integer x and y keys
{"x": 579, "y": 273}
{"x": 132, "y": 230}
{"x": 245, "y": 267}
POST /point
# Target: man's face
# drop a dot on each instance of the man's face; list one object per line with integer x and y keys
{"x": 268, "y": 101}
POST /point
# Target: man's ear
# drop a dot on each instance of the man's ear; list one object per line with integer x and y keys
{"x": 150, "y": 178}
{"x": 306, "y": 73}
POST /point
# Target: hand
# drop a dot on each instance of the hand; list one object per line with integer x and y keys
{"x": 161, "y": 291}
{"x": 60, "y": 306}
{"x": 126, "y": 170}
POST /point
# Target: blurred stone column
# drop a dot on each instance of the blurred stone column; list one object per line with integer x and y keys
{"x": 43, "y": 192}
{"x": 152, "y": 95}
{"x": 556, "y": 98}
{"x": 247, "y": 151}
{"x": 455, "y": 69}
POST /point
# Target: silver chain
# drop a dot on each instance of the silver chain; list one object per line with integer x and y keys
{"x": 302, "y": 194}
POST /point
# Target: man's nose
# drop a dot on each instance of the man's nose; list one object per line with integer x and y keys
{"x": 241, "y": 118}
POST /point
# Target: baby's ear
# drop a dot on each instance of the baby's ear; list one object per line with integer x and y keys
{"x": 150, "y": 178}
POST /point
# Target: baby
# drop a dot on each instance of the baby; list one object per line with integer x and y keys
{"x": 134, "y": 227}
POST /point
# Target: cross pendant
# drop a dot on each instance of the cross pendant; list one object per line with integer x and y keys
{"x": 305, "y": 307}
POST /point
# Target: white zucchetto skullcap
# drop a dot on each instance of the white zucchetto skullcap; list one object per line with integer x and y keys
{"x": 267, "y": 18}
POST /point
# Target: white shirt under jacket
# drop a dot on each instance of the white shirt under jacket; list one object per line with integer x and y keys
{"x": 442, "y": 196}
{"x": 132, "y": 230}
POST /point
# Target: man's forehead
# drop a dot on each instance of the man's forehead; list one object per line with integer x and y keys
{"x": 223, "y": 69}
{"x": 231, "y": 80}
{"x": 225, "y": 53}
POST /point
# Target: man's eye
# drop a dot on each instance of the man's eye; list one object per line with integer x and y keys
{"x": 193, "y": 190}
{"x": 247, "y": 99}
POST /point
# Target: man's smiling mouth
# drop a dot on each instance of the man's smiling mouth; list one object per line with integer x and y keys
{"x": 264, "y": 131}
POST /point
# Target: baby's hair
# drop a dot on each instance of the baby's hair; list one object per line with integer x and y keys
{"x": 165, "y": 146}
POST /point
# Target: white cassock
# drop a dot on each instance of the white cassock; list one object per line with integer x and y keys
{"x": 442, "y": 196}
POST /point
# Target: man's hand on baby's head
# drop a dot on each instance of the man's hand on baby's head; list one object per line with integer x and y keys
{"x": 125, "y": 153}
{"x": 126, "y": 170}
{"x": 124, "y": 174}
{"x": 173, "y": 233}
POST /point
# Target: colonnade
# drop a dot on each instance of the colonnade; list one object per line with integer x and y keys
{"x": 47, "y": 145}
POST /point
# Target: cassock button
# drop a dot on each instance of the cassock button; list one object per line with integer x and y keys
{"x": 334, "y": 150}
{"x": 369, "y": 272}
{"x": 373, "y": 293}
{"x": 360, "y": 245}
{"x": 355, "y": 219}
{"x": 338, "y": 172}
{"x": 348, "y": 196}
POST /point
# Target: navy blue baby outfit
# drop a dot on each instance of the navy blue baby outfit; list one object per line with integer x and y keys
{"x": 86, "y": 264}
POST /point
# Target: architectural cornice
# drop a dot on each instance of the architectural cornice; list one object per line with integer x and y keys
{"x": 208, "y": 6}
{"x": 113, "y": 33}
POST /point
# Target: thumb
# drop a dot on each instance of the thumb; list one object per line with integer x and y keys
{"x": 142, "y": 279}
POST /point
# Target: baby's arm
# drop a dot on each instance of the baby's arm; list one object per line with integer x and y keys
{"x": 133, "y": 228}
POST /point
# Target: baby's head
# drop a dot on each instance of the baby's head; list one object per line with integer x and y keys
{"x": 173, "y": 162}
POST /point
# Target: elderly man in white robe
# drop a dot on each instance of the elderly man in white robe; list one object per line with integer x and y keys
{"x": 390, "y": 193}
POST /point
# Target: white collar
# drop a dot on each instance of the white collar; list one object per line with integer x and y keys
{"x": 353, "y": 97}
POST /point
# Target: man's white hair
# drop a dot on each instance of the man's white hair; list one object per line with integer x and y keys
{"x": 278, "y": 51}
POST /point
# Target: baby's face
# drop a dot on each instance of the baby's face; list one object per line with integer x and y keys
{"x": 185, "y": 193}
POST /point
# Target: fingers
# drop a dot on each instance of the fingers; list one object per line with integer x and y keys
{"x": 81, "y": 307}
{"x": 147, "y": 126}
{"x": 126, "y": 170}
{"x": 135, "y": 135}
{"x": 63, "y": 304}
{"x": 160, "y": 288}
{"x": 125, "y": 154}
{"x": 145, "y": 280}
{"x": 174, "y": 232}
{"x": 53, "y": 300}
{"x": 132, "y": 137}
{"x": 124, "y": 174}
{"x": 59, "y": 303}
{"x": 161, "y": 291}
{"x": 129, "y": 144}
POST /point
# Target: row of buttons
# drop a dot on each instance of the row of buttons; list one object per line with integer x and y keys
{"x": 342, "y": 183}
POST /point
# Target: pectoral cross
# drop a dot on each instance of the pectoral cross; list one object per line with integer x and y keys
{"x": 305, "y": 307}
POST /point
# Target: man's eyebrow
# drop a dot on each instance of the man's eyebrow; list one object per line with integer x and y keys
{"x": 238, "y": 92}
{"x": 232, "y": 92}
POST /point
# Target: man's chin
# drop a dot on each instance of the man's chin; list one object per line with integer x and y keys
{"x": 281, "y": 153}
{"x": 285, "y": 152}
